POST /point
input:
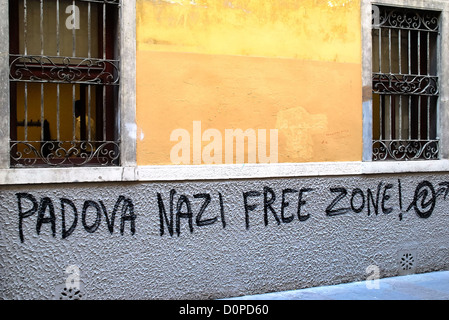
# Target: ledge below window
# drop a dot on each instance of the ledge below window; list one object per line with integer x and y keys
{"x": 213, "y": 172}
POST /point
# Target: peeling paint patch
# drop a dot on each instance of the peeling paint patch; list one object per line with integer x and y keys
{"x": 300, "y": 126}
{"x": 131, "y": 128}
{"x": 184, "y": 2}
{"x": 338, "y": 3}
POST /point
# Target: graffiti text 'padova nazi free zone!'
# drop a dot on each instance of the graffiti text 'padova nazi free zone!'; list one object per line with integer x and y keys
{"x": 178, "y": 214}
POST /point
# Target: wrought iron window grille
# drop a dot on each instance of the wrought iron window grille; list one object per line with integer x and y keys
{"x": 69, "y": 79}
{"x": 405, "y": 84}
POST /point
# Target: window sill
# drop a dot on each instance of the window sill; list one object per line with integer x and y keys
{"x": 213, "y": 172}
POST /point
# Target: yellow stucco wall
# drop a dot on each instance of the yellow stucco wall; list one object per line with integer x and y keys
{"x": 290, "y": 65}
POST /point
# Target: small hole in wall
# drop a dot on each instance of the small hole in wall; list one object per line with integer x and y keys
{"x": 70, "y": 294}
{"x": 407, "y": 261}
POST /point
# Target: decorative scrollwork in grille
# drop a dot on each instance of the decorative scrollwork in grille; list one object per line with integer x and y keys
{"x": 405, "y": 150}
{"x": 102, "y": 1}
{"x": 409, "y": 19}
{"x": 64, "y": 70}
{"x": 60, "y": 153}
{"x": 405, "y": 84}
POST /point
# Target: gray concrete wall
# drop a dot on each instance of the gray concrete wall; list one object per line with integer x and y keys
{"x": 227, "y": 246}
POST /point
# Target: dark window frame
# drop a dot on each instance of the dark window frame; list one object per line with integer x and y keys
{"x": 413, "y": 92}
{"x": 101, "y": 74}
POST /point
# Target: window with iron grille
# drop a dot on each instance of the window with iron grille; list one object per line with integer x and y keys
{"x": 405, "y": 84}
{"x": 64, "y": 80}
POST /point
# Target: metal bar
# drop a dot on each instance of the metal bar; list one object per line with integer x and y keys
{"x": 26, "y": 110}
{"x": 58, "y": 113}
{"x": 82, "y": 113}
{"x": 381, "y": 111}
{"x": 409, "y": 52}
{"x": 58, "y": 93}
{"x": 428, "y": 53}
{"x": 89, "y": 124}
{"x": 380, "y": 50}
{"x": 419, "y": 118}
{"x": 41, "y": 25}
{"x": 57, "y": 29}
{"x": 438, "y": 63}
{"x": 104, "y": 31}
{"x": 400, "y": 118}
{"x": 419, "y": 52}
{"x": 104, "y": 57}
{"x": 25, "y": 26}
{"x": 89, "y": 49}
{"x": 399, "y": 51}
{"x": 411, "y": 112}
{"x": 42, "y": 112}
{"x": 428, "y": 117}
{"x": 112, "y": 2}
{"x": 391, "y": 118}
{"x": 389, "y": 50}
{"x": 74, "y": 32}
{"x": 89, "y": 31}
{"x": 73, "y": 112}
{"x": 409, "y": 117}
{"x": 104, "y": 113}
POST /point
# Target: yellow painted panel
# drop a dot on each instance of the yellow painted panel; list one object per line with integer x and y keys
{"x": 316, "y": 106}
{"x": 325, "y": 30}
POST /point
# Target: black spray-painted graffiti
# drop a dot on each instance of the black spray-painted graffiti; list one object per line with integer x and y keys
{"x": 291, "y": 204}
{"x": 28, "y": 205}
{"x": 204, "y": 209}
{"x": 184, "y": 210}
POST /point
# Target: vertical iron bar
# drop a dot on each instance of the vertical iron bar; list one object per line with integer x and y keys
{"x": 74, "y": 30}
{"x": 409, "y": 52}
{"x": 419, "y": 118}
{"x": 400, "y": 117}
{"x": 42, "y": 25}
{"x": 428, "y": 117}
{"x": 419, "y": 97}
{"x": 57, "y": 28}
{"x": 381, "y": 110}
{"x": 89, "y": 126}
{"x": 409, "y": 66}
{"x": 25, "y": 36}
{"x": 89, "y": 31}
{"x": 58, "y": 113}
{"x": 104, "y": 31}
{"x": 409, "y": 117}
{"x": 58, "y": 93}
{"x": 399, "y": 51}
{"x": 389, "y": 50}
{"x": 428, "y": 97}
{"x": 73, "y": 86}
{"x": 89, "y": 54}
{"x": 380, "y": 50}
{"x": 42, "y": 112}
{"x": 391, "y": 118}
{"x": 428, "y": 53}
{"x": 419, "y": 52}
{"x": 438, "y": 63}
{"x": 390, "y": 70}
{"x": 400, "y": 72}
{"x": 73, "y": 113}
{"x": 26, "y": 111}
{"x": 104, "y": 113}
{"x": 25, "y": 26}
{"x": 42, "y": 53}
{"x": 104, "y": 57}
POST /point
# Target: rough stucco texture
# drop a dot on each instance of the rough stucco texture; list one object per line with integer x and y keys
{"x": 335, "y": 242}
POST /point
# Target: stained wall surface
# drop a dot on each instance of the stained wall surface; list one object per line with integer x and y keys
{"x": 289, "y": 65}
{"x": 226, "y": 238}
